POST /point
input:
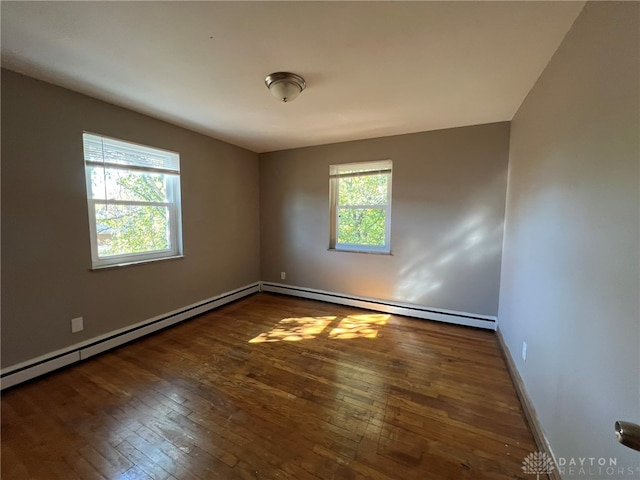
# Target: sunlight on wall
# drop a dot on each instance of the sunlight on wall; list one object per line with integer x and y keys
{"x": 307, "y": 328}
{"x": 473, "y": 240}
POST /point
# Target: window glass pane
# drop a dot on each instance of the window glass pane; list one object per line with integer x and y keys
{"x": 128, "y": 185}
{"x": 364, "y": 190}
{"x": 361, "y": 226}
{"x": 125, "y": 229}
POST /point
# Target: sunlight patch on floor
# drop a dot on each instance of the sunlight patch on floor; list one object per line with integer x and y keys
{"x": 295, "y": 329}
{"x": 307, "y": 328}
{"x": 358, "y": 326}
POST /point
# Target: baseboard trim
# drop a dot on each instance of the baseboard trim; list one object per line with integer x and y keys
{"x": 527, "y": 406}
{"x": 398, "y": 308}
{"x": 35, "y": 367}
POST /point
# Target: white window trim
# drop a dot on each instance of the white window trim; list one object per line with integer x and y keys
{"x": 173, "y": 204}
{"x": 359, "y": 169}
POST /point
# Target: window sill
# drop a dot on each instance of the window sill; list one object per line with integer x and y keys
{"x": 132, "y": 264}
{"x": 366, "y": 252}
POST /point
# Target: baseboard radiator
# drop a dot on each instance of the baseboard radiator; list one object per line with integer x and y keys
{"x": 386, "y": 306}
{"x": 35, "y": 367}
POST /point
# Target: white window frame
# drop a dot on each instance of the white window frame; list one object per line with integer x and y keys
{"x": 343, "y": 170}
{"x": 160, "y": 161}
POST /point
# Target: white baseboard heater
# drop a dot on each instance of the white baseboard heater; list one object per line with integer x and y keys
{"x": 35, "y": 367}
{"x": 386, "y": 306}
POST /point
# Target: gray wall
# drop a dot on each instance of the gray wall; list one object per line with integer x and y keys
{"x": 570, "y": 275}
{"x": 446, "y": 224}
{"x": 45, "y": 233}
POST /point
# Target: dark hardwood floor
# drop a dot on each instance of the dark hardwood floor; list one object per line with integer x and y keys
{"x": 274, "y": 387}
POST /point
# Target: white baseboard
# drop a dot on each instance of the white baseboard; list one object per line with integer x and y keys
{"x": 387, "y": 306}
{"x": 35, "y": 367}
{"x": 527, "y": 406}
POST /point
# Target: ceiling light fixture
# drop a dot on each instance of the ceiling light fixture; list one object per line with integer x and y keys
{"x": 285, "y": 86}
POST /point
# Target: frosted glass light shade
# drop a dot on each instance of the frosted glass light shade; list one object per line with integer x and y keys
{"x": 285, "y": 86}
{"x": 284, "y": 90}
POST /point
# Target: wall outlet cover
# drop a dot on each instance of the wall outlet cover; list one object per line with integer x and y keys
{"x": 77, "y": 325}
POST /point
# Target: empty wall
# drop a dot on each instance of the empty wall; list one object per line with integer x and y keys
{"x": 46, "y": 257}
{"x": 446, "y": 224}
{"x": 570, "y": 276}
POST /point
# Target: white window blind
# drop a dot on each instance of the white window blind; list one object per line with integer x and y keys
{"x": 360, "y": 168}
{"x": 114, "y": 153}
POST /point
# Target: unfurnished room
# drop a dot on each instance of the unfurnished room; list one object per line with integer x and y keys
{"x": 324, "y": 240}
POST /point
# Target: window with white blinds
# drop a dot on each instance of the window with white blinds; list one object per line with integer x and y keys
{"x": 133, "y": 196}
{"x": 360, "y": 206}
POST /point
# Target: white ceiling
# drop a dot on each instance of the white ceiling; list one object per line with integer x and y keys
{"x": 372, "y": 68}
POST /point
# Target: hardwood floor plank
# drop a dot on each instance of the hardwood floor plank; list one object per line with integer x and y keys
{"x": 11, "y": 464}
{"x": 104, "y": 458}
{"x": 199, "y": 401}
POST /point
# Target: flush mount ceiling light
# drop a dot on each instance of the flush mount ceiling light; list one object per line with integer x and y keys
{"x": 285, "y": 86}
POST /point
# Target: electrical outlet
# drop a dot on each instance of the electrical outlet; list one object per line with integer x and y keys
{"x": 524, "y": 351}
{"x": 283, "y": 275}
{"x": 77, "y": 325}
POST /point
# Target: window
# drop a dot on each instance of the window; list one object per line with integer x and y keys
{"x": 133, "y": 195}
{"x": 360, "y": 197}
